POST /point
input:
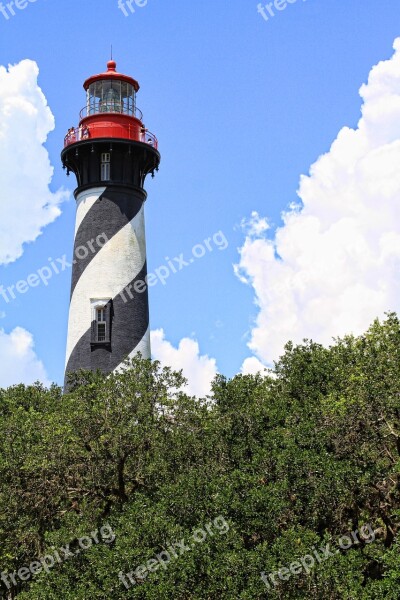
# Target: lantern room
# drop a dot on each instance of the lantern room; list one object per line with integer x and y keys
{"x": 110, "y": 110}
{"x": 111, "y": 96}
{"x": 111, "y": 92}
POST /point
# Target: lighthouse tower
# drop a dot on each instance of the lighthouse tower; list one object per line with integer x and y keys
{"x": 110, "y": 153}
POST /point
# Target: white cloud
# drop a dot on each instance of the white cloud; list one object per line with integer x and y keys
{"x": 198, "y": 370}
{"x": 255, "y": 226}
{"x": 334, "y": 264}
{"x": 19, "y": 363}
{"x": 252, "y": 366}
{"x": 26, "y": 203}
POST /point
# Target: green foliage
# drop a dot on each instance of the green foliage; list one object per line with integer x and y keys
{"x": 291, "y": 461}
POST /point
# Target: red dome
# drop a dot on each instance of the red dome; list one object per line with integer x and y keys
{"x": 111, "y": 74}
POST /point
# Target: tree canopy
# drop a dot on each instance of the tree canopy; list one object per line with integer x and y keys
{"x": 271, "y": 468}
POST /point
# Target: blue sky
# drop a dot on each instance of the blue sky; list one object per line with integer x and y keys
{"x": 242, "y": 107}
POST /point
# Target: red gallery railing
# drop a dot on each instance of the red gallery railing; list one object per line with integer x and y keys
{"x": 99, "y": 130}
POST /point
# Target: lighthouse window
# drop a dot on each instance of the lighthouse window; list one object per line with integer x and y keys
{"x": 105, "y": 174}
{"x": 101, "y": 325}
{"x": 128, "y": 99}
{"x": 101, "y": 321}
{"x": 108, "y": 96}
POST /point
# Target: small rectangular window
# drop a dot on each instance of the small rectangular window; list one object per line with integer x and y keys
{"x": 101, "y": 325}
{"x": 105, "y": 174}
{"x": 101, "y": 321}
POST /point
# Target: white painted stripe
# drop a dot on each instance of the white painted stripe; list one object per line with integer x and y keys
{"x": 143, "y": 347}
{"x": 111, "y": 270}
{"x": 84, "y": 202}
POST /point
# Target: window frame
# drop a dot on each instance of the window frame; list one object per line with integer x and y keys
{"x": 105, "y": 166}
{"x": 101, "y": 322}
{"x": 103, "y": 306}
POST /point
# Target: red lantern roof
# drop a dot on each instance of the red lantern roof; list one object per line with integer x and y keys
{"x": 111, "y": 74}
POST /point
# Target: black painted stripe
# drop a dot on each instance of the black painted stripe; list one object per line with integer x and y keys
{"x": 129, "y": 324}
{"x": 108, "y": 215}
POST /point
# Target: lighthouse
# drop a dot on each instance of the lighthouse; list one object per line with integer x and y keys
{"x": 110, "y": 153}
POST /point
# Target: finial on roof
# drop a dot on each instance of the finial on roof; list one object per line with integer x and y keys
{"x": 111, "y": 65}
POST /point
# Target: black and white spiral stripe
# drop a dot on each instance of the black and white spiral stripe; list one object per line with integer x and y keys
{"x": 117, "y": 214}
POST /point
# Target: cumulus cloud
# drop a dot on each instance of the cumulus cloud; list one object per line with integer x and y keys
{"x": 26, "y": 204}
{"x": 198, "y": 370}
{"x": 252, "y": 366}
{"x": 334, "y": 264}
{"x": 19, "y": 363}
